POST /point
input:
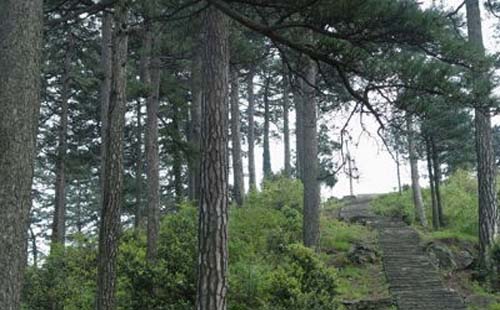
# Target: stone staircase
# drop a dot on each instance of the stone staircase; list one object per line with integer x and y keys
{"x": 414, "y": 282}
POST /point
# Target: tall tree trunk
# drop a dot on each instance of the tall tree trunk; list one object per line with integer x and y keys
{"x": 195, "y": 126}
{"x": 106, "y": 67}
{"x": 286, "y": 121}
{"x": 59, "y": 219}
{"x": 415, "y": 177}
{"x": 139, "y": 167}
{"x": 20, "y": 49}
{"x": 251, "y": 131}
{"x": 267, "y": 115}
{"x": 437, "y": 181}
{"x": 310, "y": 164}
{"x": 177, "y": 158}
{"x": 488, "y": 210}
{"x": 153, "y": 161}
{"x": 34, "y": 248}
{"x": 79, "y": 223}
{"x": 398, "y": 172}
{"x": 299, "y": 127}
{"x": 145, "y": 75}
{"x": 436, "y": 222}
{"x": 214, "y": 198}
{"x": 109, "y": 229}
{"x": 239, "y": 185}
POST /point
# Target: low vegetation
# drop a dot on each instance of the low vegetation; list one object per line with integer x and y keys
{"x": 269, "y": 268}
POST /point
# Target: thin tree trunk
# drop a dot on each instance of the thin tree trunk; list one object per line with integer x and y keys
{"x": 106, "y": 66}
{"x": 310, "y": 164}
{"x": 437, "y": 181}
{"x": 436, "y": 222}
{"x": 139, "y": 167}
{"x": 20, "y": 50}
{"x": 398, "y": 171}
{"x": 299, "y": 128}
{"x": 286, "y": 122}
{"x": 79, "y": 223}
{"x": 488, "y": 209}
{"x": 267, "y": 152}
{"x": 34, "y": 248}
{"x": 177, "y": 159}
{"x": 214, "y": 198}
{"x": 59, "y": 219}
{"x": 251, "y": 131}
{"x": 109, "y": 229}
{"x": 153, "y": 161}
{"x": 195, "y": 126}
{"x": 415, "y": 177}
{"x": 239, "y": 186}
{"x": 145, "y": 75}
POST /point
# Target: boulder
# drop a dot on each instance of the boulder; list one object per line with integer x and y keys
{"x": 441, "y": 256}
{"x": 463, "y": 259}
{"x": 362, "y": 254}
{"x": 375, "y": 304}
{"x": 447, "y": 258}
{"x": 480, "y": 301}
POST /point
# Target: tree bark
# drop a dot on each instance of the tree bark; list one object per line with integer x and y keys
{"x": 59, "y": 219}
{"x": 398, "y": 172}
{"x": 488, "y": 209}
{"x": 34, "y": 248}
{"x": 109, "y": 229}
{"x": 251, "y": 131}
{"x": 286, "y": 122}
{"x": 139, "y": 167}
{"x": 310, "y": 164}
{"x": 195, "y": 126}
{"x": 267, "y": 152}
{"x": 415, "y": 177}
{"x": 214, "y": 198}
{"x": 299, "y": 128}
{"x": 239, "y": 185}
{"x": 437, "y": 181}
{"x": 106, "y": 67}
{"x": 177, "y": 158}
{"x": 20, "y": 50}
{"x": 153, "y": 161}
{"x": 436, "y": 222}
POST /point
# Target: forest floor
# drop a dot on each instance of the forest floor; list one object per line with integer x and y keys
{"x": 414, "y": 283}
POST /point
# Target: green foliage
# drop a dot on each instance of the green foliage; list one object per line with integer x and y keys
{"x": 268, "y": 268}
{"x": 68, "y": 277}
{"x": 396, "y": 205}
{"x": 339, "y": 236}
{"x": 459, "y": 196}
{"x": 303, "y": 282}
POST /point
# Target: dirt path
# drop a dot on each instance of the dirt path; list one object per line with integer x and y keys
{"x": 413, "y": 281}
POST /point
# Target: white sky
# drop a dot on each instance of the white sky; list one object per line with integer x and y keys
{"x": 377, "y": 169}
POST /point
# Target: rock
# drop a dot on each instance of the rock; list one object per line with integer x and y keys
{"x": 441, "y": 256}
{"x": 480, "y": 301}
{"x": 445, "y": 258}
{"x": 362, "y": 254}
{"x": 376, "y": 304}
{"x": 463, "y": 259}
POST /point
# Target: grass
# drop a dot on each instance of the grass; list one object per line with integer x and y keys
{"x": 354, "y": 282}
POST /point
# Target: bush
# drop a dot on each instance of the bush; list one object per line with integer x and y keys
{"x": 303, "y": 282}
{"x": 268, "y": 269}
{"x": 396, "y": 205}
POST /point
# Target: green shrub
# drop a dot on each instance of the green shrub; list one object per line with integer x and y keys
{"x": 267, "y": 269}
{"x": 396, "y": 205}
{"x": 303, "y": 282}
